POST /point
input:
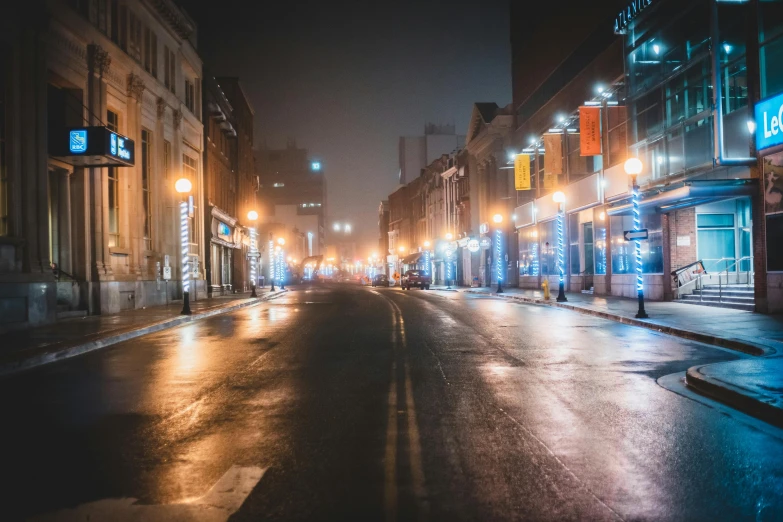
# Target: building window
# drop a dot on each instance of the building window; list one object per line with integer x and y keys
{"x": 3, "y": 149}
{"x": 169, "y": 75}
{"x": 146, "y": 199}
{"x": 190, "y": 171}
{"x": 190, "y": 100}
{"x": 134, "y": 36}
{"x": 278, "y": 185}
{"x": 624, "y": 252}
{"x": 150, "y": 52}
{"x": 528, "y": 251}
{"x": 112, "y": 123}
{"x": 166, "y": 159}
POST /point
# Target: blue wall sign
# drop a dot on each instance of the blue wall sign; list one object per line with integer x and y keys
{"x": 78, "y": 141}
{"x": 92, "y": 147}
{"x": 769, "y": 122}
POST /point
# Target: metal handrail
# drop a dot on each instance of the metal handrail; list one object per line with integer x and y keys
{"x": 734, "y": 262}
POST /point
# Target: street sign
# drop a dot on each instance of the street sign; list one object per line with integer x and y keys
{"x": 253, "y": 254}
{"x": 635, "y": 235}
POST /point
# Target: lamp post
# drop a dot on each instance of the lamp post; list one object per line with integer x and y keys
{"x": 183, "y": 186}
{"x": 633, "y": 167}
{"x": 449, "y": 236}
{"x": 498, "y": 219}
{"x": 427, "y": 258}
{"x": 252, "y": 216}
{"x": 271, "y": 265}
{"x": 559, "y": 198}
{"x": 281, "y": 261}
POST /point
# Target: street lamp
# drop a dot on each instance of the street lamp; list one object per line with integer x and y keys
{"x": 252, "y": 216}
{"x": 336, "y": 227}
{"x": 347, "y": 228}
{"x": 633, "y": 167}
{"x": 498, "y": 219}
{"x": 559, "y": 198}
{"x": 184, "y": 186}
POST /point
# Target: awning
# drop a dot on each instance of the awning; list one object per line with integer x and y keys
{"x": 412, "y": 258}
{"x": 689, "y": 194}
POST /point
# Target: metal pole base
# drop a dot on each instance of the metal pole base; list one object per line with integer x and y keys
{"x": 641, "y": 314}
{"x": 561, "y": 298}
{"x": 253, "y": 292}
{"x": 272, "y": 288}
{"x": 186, "y": 304}
{"x": 500, "y": 289}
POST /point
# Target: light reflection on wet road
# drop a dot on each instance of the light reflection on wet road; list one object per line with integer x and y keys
{"x": 369, "y": 404}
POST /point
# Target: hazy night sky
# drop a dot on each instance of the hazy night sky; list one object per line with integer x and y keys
{"x": 347, "y": 79}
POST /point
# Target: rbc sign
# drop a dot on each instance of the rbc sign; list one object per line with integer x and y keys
{"x": 769, "y": 122}
{"x": 78, "y": 141}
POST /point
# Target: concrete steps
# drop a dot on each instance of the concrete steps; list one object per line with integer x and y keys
{"x": 738, "y": 297}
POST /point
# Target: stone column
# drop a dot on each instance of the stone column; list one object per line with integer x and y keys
{"x": 64, "y": 221}
{"x": 99, "y": 62}
{"x": 132, "y": 175}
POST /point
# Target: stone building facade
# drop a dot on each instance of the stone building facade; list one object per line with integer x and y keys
{"x": 94, "y": 239}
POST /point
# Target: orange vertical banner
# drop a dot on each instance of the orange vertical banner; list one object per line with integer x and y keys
{"x": 589, "y": 131}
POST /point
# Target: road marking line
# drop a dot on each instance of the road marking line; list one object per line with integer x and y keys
{"x": 217, "y": 505}
{"x": 390, "y": 458}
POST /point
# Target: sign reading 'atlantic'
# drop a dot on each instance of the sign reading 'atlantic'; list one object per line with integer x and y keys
{"x": 769, "y": 122}
{"x": 630, "y": 12}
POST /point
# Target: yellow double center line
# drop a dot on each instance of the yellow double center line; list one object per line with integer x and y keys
{"x": 402, "y": 411}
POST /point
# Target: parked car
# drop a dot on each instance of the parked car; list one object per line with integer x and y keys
{"x": 416, "y": 278}
{"x": 380, "y": 280}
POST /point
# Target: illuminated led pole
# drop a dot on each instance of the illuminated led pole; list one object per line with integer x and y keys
{"x": 252, "y": 216}
{"x": 633, "y": 167}
{"x": 427, "y": 264}
{"x": 272, "y": 264}
{"x": 498, "y": 219}
{"x": 559, "y": 198}
{"x": 183, "y": 186}
{"x": 448, "y": 261}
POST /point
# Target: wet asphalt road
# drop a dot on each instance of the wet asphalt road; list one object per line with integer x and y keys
{"x": 378, "y": 404}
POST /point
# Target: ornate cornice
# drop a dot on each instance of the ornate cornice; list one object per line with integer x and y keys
{"x": 181, "y": 25}
{"x": 160, "y": 107}
{"x": 177, "y": 118}
{"x": 99, "y": 60}
{"x": 135, "y": 86}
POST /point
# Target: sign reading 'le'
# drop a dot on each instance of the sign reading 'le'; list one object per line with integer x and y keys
{"x": 589, "y": 131}
{"x": 769, "y": 122}
{"x": 522, "y": 172}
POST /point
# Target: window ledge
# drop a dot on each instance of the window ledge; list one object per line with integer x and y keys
{"x": 118, "y": 251}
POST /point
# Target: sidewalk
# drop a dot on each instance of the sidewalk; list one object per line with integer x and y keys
{"x": 753, "y": 386}
{"x": 752, "y": 333}
{"x": 23, "y": 349}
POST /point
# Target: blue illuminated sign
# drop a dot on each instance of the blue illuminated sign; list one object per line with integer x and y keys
{"x": 118, "y": 148}
{"x": 78, "y": 141}
{"x": 769, "y": 122}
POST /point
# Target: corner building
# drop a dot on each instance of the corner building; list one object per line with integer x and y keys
{"x": 91, "y": 234}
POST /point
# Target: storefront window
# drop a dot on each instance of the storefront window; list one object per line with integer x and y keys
{"x": 599, "y": 247}
{"x": 580, "y": 238}
{"x": 548, "y": 240}
{"x": 528, "y": 251}
{"x": 624, "y": 252}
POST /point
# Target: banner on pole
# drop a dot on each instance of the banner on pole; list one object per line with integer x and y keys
{"x": 589, "y": 131}
{"x": 522, "y": 172}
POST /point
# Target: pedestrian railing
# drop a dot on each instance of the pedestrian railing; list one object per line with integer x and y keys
{"x": 725, "y": 266}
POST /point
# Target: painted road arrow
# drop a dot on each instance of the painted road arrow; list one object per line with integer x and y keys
{"x": 219, "y": 503}
{"x": 635, "y": 235}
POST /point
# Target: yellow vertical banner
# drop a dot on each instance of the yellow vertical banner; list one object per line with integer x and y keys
{"x": 589, "y": 131}
{"x": 553, "y": 159}
{"x": 522, "y": 172}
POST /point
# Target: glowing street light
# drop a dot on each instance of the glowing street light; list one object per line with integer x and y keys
{"x": 336, "y": 227}
{"x": 559, "y": 198}
{"x": 347, "y": 228}
{"x": 633, "y": 167}
{"x": 184, "y": 186}
{"x": 281, "y": 241}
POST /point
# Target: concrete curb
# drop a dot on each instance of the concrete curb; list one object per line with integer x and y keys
{"x": 52, "y": 354}
{"x": 732, "y": 344}
{"x": 746, "y": 401}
